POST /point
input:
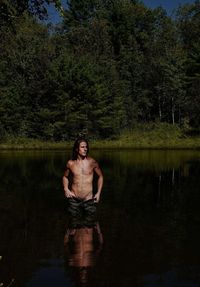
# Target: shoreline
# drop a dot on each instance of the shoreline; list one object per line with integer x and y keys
{"x": 139, "y": 144}
{"x": 158, "y": 137}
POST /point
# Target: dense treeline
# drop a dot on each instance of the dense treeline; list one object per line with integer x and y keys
{"x": 109, "y": 65}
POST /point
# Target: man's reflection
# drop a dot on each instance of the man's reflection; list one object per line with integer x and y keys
{"x": 82, "y": 244}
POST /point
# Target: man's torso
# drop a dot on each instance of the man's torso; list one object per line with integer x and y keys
{"x": 83, "y": 171}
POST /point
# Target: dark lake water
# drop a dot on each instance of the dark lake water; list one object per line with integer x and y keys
{"x": 147, "y": 231}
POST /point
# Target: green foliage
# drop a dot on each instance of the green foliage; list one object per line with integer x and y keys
{"x": 189, "y": 21}
{"x": 109, "y": 66}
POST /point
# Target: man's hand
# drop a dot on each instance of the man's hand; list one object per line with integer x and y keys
{"x": 97, "y": 197}
{"x": 69, "y": 194}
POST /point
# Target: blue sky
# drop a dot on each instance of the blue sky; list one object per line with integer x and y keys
{"x": 169, "y": 5}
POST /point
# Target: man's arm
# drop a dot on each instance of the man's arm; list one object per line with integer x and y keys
{"x": 99, "y": 182}
{"x": 65, "y": 181}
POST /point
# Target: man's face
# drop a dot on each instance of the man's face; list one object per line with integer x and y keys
{"x": 82, "y": 151}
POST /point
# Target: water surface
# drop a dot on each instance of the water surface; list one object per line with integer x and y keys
{"x": 147, "y": 232}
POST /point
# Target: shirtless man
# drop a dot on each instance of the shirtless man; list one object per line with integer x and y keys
{"x": 82, "y": 168}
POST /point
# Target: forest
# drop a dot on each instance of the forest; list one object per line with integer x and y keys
{"x": 105, "y": 68}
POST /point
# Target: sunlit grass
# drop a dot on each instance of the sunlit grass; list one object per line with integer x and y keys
{"x": 27, "y": 143}
{"x": 162, "y": 136}
{"x": 151, "y": 136}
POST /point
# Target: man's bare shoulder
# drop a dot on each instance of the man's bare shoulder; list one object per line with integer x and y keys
{"x": 68, "y": 168}
{"x": 92, "y": 161}
{"x": 70, "y": 163}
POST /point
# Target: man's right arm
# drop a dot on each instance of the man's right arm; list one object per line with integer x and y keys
{"x": 65, "y": 181}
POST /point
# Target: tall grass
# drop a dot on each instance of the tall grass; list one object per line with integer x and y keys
{"x": 152, "y": 136}
{"x": 149, "y": 136}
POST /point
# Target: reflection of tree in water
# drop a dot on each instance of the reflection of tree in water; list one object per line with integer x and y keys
{"x": 154, "y": 214}
{"x": 82, "y": 246}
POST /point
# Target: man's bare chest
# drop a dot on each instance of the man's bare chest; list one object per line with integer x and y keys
{"x": 82, "y": 169}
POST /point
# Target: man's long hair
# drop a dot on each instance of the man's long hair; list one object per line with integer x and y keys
{"x": 76, "y": 147}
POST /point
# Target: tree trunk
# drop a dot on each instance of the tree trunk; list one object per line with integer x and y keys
{"x": 160, "y": 110}
{"x": 173, "y": 118}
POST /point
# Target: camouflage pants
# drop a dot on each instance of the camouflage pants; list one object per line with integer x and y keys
{"x": 82, "y": 212}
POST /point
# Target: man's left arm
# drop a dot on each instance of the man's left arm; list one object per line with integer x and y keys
{"x": 99, "y": 182}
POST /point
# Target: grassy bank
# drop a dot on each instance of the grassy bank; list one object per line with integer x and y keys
{"x": 27, "y": 143}
{"x": 162, "y": 136}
